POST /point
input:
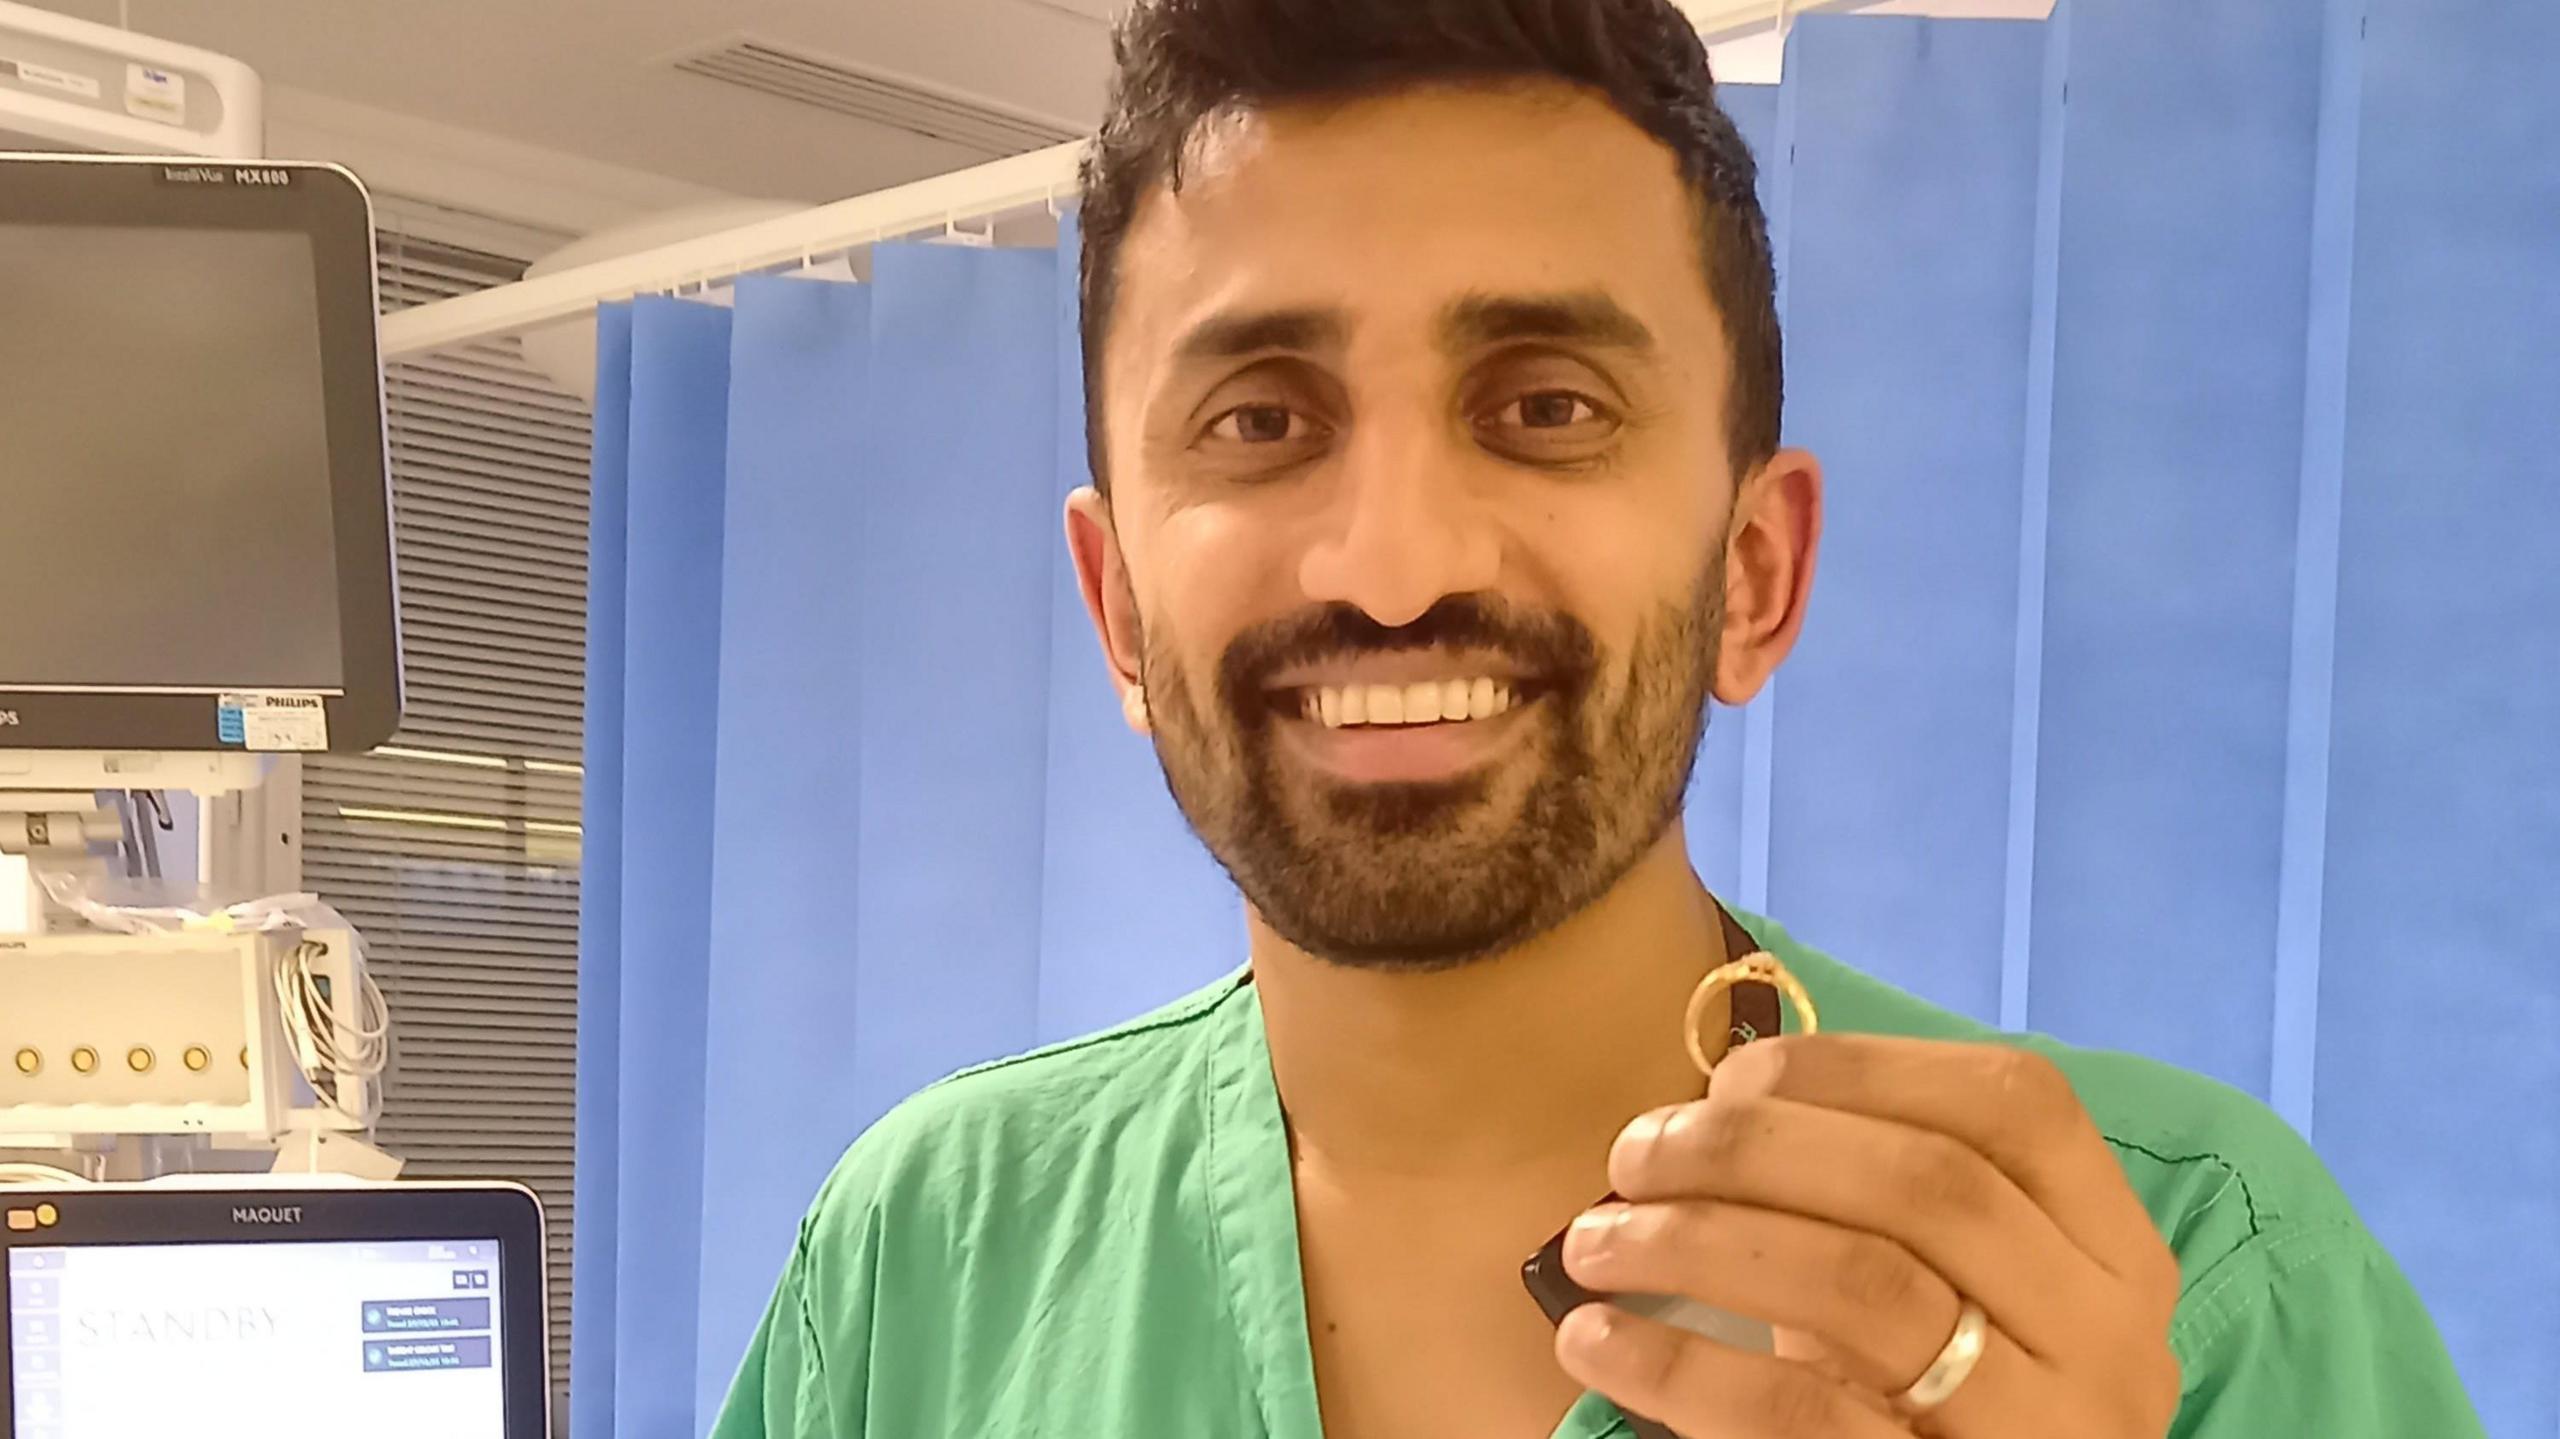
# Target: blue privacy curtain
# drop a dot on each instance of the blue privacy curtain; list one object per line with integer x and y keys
{"x": 860, "y": 805}
{"x": 2183, "y": 675}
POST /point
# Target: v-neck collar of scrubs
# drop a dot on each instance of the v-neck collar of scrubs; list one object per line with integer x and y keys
{"x": 1253, "y": 1226}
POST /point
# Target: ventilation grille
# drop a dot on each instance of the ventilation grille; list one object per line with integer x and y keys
{"x": 898, "y": 103}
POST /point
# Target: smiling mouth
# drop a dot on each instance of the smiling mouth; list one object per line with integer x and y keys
{"x": 1448, "y": 702}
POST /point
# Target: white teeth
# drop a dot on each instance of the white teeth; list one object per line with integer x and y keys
{"x": 1422, "y": 702}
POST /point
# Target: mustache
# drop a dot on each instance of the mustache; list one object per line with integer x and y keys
{"x": 1556, "y": 647}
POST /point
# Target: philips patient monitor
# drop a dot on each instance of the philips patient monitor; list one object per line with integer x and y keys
{"x": 196, "y": 549}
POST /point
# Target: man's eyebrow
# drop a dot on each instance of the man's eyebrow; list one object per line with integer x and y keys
{"x": 1585, "y": 316}
{"x": 1230, "y": 334}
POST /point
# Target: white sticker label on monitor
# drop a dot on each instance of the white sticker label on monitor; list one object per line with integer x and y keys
{"x": 47, "y": 77}
{"x": 274, "y": 720}
{"x": 155, "y": 94}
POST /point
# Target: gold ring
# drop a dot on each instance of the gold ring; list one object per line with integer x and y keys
{"x": 1954, "y": 1364}
{"x": 1762, "y": 967}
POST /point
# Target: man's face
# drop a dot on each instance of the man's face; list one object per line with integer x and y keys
{"x": 1416, "y": 426}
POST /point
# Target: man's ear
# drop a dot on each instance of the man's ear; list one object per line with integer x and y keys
{"x": 1102, "y": 574}
{"x": 1768, "y": 571}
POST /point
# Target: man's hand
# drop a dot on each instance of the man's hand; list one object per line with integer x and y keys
{"x": 1854, "y": 1190}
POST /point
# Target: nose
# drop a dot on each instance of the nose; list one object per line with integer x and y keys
{"x": 1405, "y": 531}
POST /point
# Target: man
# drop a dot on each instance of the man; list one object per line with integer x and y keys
{"x": 1433, "y": 387}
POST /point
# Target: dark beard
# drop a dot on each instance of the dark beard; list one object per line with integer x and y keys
{"x": 1431, "y": 875}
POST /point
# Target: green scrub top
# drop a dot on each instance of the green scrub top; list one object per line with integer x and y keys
{"x": 1100, "y": 1238}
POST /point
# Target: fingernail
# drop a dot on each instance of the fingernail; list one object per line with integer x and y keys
{"x": 1644, "y": 1130}
{"x": 1593, "y": 1232}
{"x": 1627, "y": 1153}
{"x": 1587, "y": 1330}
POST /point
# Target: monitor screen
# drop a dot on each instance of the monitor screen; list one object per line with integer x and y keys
{"x": 234, "y": 1341}
{"x": 196, "y": 553}
{"x": 166, "y": 462}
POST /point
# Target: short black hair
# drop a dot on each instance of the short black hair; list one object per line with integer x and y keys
{"x": 1181, "y": 62}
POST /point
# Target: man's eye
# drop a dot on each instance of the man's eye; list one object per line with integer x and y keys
{"x": 1548, "y": 410}
{"x": 1260, "y": 425}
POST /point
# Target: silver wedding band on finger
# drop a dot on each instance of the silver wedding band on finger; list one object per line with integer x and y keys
{"x": 1954, "y": 1364}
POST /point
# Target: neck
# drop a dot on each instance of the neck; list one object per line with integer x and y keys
{"x": 1532, "y": 1059}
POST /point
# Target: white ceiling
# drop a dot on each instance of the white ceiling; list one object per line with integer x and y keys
{"x": 568, "y": 93}
{"x": 595, "y": 78}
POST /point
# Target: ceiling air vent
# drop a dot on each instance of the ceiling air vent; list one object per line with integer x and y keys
{"x": 882, "y": 99}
